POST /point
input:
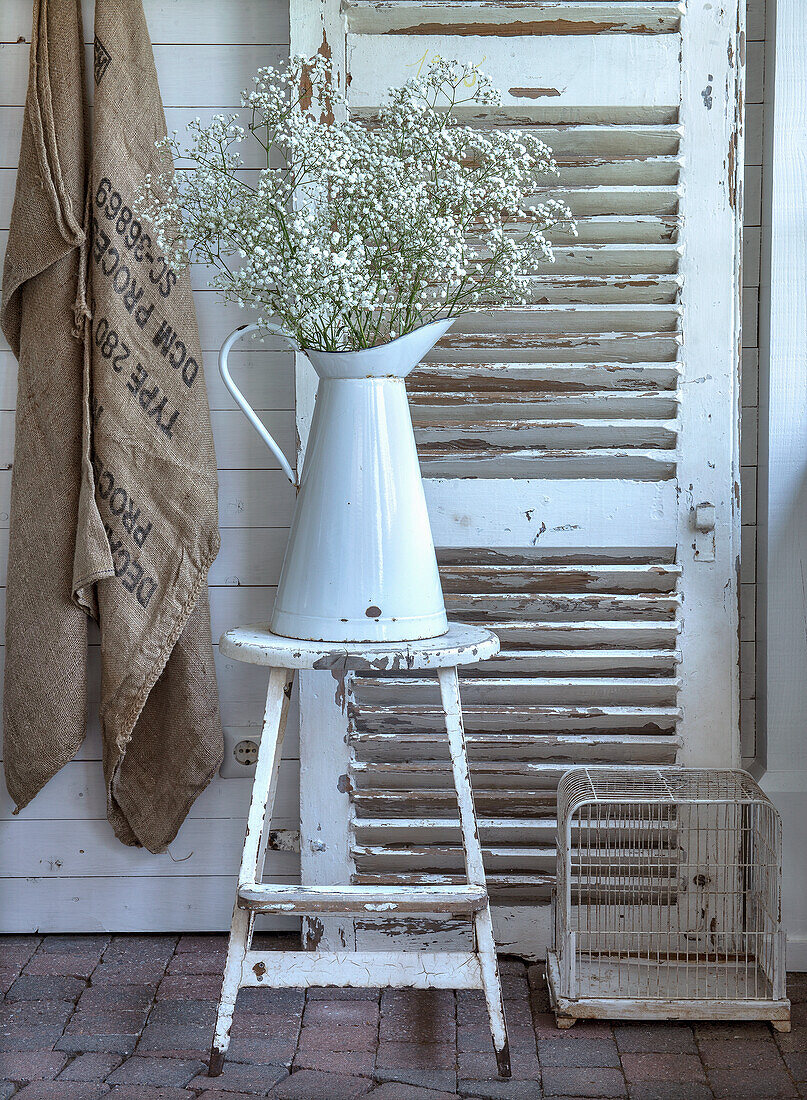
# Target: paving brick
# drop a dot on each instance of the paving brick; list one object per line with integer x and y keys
{"x": 264, "y": 1026}
{"x": 90, "y": 1067}
{"x": 438, "y": 1080}
{"x": 141, "y": 947}
{"x": 663, "y": 1067}
{"x": 198, "y": 962}
{"x": 512, "y": 965}
{"x": 795, "y": 1040}
{"x": 116, "y": 1022}
{"x": 39, "y": 1066}
{"x": 539, "y": 1000}
{"x": 271, "y": 1001}
{"x": 546, "y": 1028}
{"x": 757, "y": 1053}
{"x": 416, "y": 1056}
{"x": 111, "y": 1044}
{"x": 173, "y": 1072}
{"x": 175, "y": 1037}
{"x": 741, "y": 1083}
{"x": 194, "y": 1013}
{"x": 62, "y": 1090}
{"x": 76, "y": 964}
{"x": 277, "y": 941}
{"x": 124, "y": 973}
{"x": 481, "y": 1066}
{"x": 515, "y": 988}
{"x": 319, "y": 1013}
{"x": 669, "y": 1038}
{"x": 796, "y": 1062}
{"x": 229, "y": 1095}
{"x": 28, "y": 1037}
{"x": 111, "y": 998}
{"x": 413, "y": 1002}
{"x": 339, "y": 1037}
{"x": 536, "y": 976}
{"x": 81, "y": 942}
{"x": 330, "y": 993}
{"x": 797, "y": 987}
{"x": 256, "y": 1048}
{"x": 470, "y": 1000}
{"x": 749, "y": 1029}
{"x": 417, "y": 1029}
{"x": 35, "y": 987}
{"x": 193, "y": 987}
{"x": 309, "y": 1085}
{"x": 396, "y": 1090}
{"x": 16, "y": 954}
{"x": 578, "y": 1052}
{"x": 197, "y": 943}
{"x": 501, "y": 1090}
{"x": 570, "y": 1081}
{"x": 354, "y": 1063}
{"x": 8, "y": 976}
{"x": 148, "y": 1092}
{"x": 670, "y": 1090}
{"x": 479, "y": 1038}
{"x": 34, "y": 1013}
{"x": 237, "y": 1077}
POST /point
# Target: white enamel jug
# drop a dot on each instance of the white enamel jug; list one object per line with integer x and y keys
{"x": 360, "y": 563}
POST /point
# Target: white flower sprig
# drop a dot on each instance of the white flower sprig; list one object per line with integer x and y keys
{"x": 356, "y": 232}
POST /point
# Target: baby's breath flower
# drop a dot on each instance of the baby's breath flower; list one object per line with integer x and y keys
{"x": 351, "y": 232}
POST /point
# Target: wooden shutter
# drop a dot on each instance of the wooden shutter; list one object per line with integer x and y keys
{"x": 575, "y": 451}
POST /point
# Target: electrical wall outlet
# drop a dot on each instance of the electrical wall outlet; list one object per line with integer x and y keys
{"x": 240, "y": 753}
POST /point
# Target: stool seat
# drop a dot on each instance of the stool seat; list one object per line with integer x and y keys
{"x": 463, "y": 644}
{"x": 421, "y": 900}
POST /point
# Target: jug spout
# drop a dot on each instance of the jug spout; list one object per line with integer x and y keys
{"x": 392, "y": 360}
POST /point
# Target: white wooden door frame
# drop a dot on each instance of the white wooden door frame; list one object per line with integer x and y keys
{"x": 710, "y": 200}
{"x": 782, "y": 645}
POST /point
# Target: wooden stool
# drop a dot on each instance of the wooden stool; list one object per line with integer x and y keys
{"x": 477, "y": 969}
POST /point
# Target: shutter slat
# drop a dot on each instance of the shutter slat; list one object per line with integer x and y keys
{"x": 461, "y": 17}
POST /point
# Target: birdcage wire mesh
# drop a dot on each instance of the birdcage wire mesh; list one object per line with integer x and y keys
{"x": 668, "y": 887}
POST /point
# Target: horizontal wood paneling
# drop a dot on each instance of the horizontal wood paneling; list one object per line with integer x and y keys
{"x": 190, "y": 76}
{"x": 198, "y": 21}
{"x": 60, "y": 866}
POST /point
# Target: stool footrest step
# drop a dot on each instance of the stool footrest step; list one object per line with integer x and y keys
{"x": 376, "y": 900}
{"x": 363, "y": 969}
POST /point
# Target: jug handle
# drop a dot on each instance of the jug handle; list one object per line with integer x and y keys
{"x": 245, "y": 406}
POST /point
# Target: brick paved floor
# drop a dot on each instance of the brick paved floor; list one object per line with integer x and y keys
{"x": 130, "y": 1017}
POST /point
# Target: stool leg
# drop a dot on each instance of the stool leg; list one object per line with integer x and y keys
{"x": 483, "y": 925}
{"x": 240, "y": 939}
{"x": 264, "y": 786}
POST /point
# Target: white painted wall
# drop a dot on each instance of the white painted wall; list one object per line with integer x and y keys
{"x": 782, "y": 666}
{"x": 60, "y": 865}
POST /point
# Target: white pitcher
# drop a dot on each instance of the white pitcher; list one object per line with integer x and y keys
{"x": 360, "y": 564}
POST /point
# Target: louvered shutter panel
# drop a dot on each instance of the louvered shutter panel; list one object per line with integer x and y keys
{"x": 575, "y": 451}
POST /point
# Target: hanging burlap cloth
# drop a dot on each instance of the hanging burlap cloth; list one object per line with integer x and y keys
{"x": 113, "y": 500}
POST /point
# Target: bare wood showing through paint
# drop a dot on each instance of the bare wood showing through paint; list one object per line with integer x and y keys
{"x": 566, "y": 445}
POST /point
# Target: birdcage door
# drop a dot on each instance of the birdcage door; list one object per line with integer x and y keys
{"x": 580, "y": 452}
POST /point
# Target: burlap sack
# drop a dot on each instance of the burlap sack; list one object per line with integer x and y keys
{"x": 114, "y": 489}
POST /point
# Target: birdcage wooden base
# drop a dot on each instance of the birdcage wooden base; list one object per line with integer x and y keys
{"x": 476, "y": 969}
{"x": 732, "y": 1006}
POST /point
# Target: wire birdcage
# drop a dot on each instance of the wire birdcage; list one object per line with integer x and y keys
{"x": 667, "y": 902}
